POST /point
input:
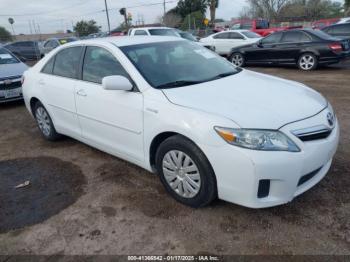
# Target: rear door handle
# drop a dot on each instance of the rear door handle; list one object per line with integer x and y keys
{"x": 41, "y": 82}
{"x": 81, "y": 92}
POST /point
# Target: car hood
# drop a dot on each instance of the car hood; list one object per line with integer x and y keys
{"x": 251, "y": 100}
{"x": 8, "y": 70}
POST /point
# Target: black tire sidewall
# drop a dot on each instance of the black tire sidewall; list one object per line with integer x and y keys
{"x": 208, "y": 190}
{"x": 312, "y": 68}
{"x": 53, "y": 134}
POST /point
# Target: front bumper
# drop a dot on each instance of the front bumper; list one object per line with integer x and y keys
{"x": 240, "y": 171}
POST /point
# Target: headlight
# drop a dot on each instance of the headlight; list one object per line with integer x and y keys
{"x": 267, "y": 140}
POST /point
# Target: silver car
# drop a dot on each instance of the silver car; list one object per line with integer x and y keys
{"x": 11, "y": 71}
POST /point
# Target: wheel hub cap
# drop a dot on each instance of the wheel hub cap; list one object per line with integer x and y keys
{"x": 181, "y": 174}
{"x": 43, "y": 121}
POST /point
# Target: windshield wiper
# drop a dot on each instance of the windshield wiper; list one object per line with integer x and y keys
{"x": 222, "y": 75}
{"x": 178, "y": 83}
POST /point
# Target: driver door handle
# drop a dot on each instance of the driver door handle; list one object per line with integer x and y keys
{"x": 81, "y": 92}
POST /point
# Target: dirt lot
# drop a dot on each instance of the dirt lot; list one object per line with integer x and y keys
{"x": 121, "y": 209}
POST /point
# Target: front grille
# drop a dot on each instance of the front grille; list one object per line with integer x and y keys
{"x": 313, "y": 133}
{"x": 13, "y": 85}
{"x": 308, "y": 176}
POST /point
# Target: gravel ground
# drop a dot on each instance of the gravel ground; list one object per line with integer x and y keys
{"x": 122, "y": 209}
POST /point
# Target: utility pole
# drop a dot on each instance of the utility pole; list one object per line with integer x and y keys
{"x": 164, "y": 8}
{"x": 109, "y": 26}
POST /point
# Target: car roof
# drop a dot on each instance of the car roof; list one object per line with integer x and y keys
{"x": 128, "y": 40}
{"x": 154, "y": 27}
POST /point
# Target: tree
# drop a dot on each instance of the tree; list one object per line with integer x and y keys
{"x": 84, "y": 28}
{"x": 213, "y": 4}
{"x": 269, "y": 9}
{"x": 186, "y": 7}
{"x": 5, "y": 36}
{"x": 171, "y": 20}
{"x": 347, "y": 7}
{"x": 193, "y": 21}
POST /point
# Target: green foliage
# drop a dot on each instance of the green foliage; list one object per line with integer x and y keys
{"x": 84, "y": 28}
{"x": 193, "y": 21}
{"x": 186, "y": 7}
{"x": 5, "y": 36}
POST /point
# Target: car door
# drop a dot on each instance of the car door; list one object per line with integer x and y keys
{"x": 110, "y": 119}
{"x": 57, "y": 86}
{"x": 236, "y": 40}
{"x": 288, "y": 50}
{"x": 221, "y": 42}
{"x": 262, "y": 52}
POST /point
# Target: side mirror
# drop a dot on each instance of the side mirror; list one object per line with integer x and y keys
{"x": 116, "y": 82}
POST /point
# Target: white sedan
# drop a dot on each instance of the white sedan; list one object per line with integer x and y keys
{"x": 225, "y": 41}
{"x": 207, "y": 128}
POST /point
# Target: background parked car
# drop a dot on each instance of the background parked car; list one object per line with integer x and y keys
{"x": 11, "y": 73}
{"x": 344, "y": 20}
{"x": 24, "y": 49}
{"x": 319, "y": 24}
{"x": 338, "y": 30}
{"x": 52, "y": 43}
{"x": 225, "y": 41}
{"x": 159, "y": 31}
{"x": 306, "y": 48}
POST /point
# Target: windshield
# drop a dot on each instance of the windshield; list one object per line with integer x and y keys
{"x": 188, "y": 36}
{"x": 7, "y": 58}
{"x": 163, "y": 32}
{"x": 177, "y": 63}
{"x": 251, "y": 34}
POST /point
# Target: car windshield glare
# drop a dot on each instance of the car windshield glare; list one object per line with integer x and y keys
{"x": 7, "y": 58}
{"x": 177, "y": 63}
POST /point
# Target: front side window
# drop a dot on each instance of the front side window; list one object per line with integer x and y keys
{"x": 140, "y": 32}
{"x": 99, "y": 63}
{"x": 67, "y": 62}
{"x": 234, "y": 35}
{"x": 7, "y": 58}
{"x": 177, "y": 63}
{"x": 250, "y": 34}
{"x": 341, "y": 29}
{"x": 222, "y": 36}
{"x": 294, "y": 37}
{"x": 272, "y": 39}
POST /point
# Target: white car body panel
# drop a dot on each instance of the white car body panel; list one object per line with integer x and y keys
{"x": 124, "y": 123}
{"x": 224, "y": 46}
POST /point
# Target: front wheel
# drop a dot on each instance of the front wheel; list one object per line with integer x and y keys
{"x": 185, "y": 172}
{"x": 307, "y": 62}
{"x": 237, "y": 59}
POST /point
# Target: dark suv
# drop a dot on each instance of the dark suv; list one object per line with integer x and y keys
{"x": 25, "y": 49}
{"x": 338, "y": 30}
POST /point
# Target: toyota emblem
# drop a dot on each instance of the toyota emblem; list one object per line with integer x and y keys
{"x": 330, "y": 119}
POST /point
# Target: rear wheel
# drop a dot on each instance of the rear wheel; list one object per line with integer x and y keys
{"x": 185, "y": 172}
{"x": 44, "y": 122}
{"x": 307, "y": 62}
{"x": 237, "y": 59}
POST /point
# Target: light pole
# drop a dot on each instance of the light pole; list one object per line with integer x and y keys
{"x": 109, "y": 26}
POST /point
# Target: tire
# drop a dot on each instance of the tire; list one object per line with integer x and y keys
{"x": 237, "y": 59}
{"x": 44, "y": 123}
{"x": 195, "y": 187}
{"x": 307, "y": 62}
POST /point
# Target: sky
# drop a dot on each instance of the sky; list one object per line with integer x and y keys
{"x": 50, "y": 16}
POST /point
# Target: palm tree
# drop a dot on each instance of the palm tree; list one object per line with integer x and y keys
{"x": 213, "y": 4}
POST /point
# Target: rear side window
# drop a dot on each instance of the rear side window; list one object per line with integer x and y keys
{"x": 99, "y": 63}
{"x": 48, "y": 68}
{"x": 67, "y": 62}
{"x": 234, "y": 35}
{"x": 222, "y": 36}
{"x": 294, "y": 37}
{"x": 140, "y": 32}
{"x": 341, "y": 29}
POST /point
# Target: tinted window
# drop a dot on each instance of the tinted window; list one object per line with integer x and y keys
{"x": 99, "y": 63}
{"x": 273, "y": 38}
{"x": 67, "y": 62}
{"x": 251, "y": 34}
{"x": 234, "y": 35}
{"x": 294, "y": 37}
{"x": 25, "y": 44}
{"x": 341, "y": 29}
{"x": 140, "y": 32}
{"x": 164, "y": 32}
{"x": 222, "y": 36}
{"x": 49, "y": 66}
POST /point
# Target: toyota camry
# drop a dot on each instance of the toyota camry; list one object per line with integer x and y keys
{"x": 207, "y": 128}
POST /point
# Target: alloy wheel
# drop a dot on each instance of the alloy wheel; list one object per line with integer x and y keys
{"x": 237, "y": 60}
{"x": 307, "y": 62}
{"x": 181, "y": 174}
{"x": 43, "y": 121}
